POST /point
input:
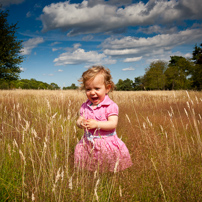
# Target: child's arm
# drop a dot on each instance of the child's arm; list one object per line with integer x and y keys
{"x": 103, "y": 125}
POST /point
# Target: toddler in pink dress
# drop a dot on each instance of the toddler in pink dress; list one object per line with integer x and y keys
{"x": 100, "y": 148}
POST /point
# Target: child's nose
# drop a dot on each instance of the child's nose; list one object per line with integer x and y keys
{"x": 92, "y": 92}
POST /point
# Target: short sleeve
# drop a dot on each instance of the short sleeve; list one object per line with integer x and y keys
{"x": 112, "y": 109}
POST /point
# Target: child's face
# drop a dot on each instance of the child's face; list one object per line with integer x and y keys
{"x": 96, "y": 89}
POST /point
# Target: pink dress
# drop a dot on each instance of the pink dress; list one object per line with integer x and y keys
{"x": 101, "y": 150}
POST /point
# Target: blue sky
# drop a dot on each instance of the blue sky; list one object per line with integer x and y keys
{"x": 63, "y": 38}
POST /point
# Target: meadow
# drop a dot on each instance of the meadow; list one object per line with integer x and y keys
{"x": 38, "y": 134}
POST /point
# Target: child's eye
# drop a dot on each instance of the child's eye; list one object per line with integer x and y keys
{"x": 97, "y": 89}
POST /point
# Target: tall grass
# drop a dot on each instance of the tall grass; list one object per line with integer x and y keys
{"x": 161, "y": 129}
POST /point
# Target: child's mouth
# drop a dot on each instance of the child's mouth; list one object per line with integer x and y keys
{"x": 95, "y": 99}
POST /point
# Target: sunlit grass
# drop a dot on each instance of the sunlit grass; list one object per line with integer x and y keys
{"x": 38, "y": 134}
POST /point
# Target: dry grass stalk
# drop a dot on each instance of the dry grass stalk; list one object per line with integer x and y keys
{"x": 38, "y": 136}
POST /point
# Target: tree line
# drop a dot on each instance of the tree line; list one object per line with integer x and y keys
{"x": 177, "y": 74}
{"x": 28, "y": 84}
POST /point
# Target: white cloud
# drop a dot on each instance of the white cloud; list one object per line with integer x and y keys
{"x": 56, "y": 49}
{"x": 166, "y": 56}
{"x": 87, "y": 38}
{"x": 28, "y": 14}
{"x": 193, "y": 9}
{"x": 31, "y": 44}
{"x": 156, "y": 29}
{"x": 133, "y": 59}
{"x": 23, "y": 69}
{"x": 121, "y": 52}
{"x": 80, "y": 56}
{"x": 60, "y": 70}
{"x": 128, "y": 69}
{"x": 100, "y": 16}
{"x": 9, "y": 2}
{"x": 151, "y": 46}
{"x": 92, "y": 3}
{"x": 55, "y": 43}
{"x": 188, "y": 55}
{"x": 75, "y": 47}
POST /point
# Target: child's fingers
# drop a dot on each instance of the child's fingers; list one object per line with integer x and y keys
{"x": 91, "y": 124}
{"x": 83, "y": 125}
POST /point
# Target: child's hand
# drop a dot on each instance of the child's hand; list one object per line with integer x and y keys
{"x": 91, "y": 124}
{"x": 81, "y": 122}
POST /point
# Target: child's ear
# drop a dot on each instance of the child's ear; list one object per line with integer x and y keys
{"x": 108, "y": 87}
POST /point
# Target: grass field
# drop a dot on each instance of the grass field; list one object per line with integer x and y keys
{"x": 38, "y": 134}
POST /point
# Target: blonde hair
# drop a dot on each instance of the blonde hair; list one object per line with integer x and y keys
{"x": 92, "y": 72}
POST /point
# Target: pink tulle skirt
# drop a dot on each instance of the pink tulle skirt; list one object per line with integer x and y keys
{"x": 105, "y": 154}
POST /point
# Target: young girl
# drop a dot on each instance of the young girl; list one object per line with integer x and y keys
{"x": 100, "y": 148}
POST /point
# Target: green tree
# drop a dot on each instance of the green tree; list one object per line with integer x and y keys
{"x": 54, "y": 86}
{"x": 197, "y": 69}
{"x": 33, "y": 83}
{"x": 4, "y": 85}
{"x": 73, "y": 86}
{"x": 9, "y": 49}
{"x": 41, "y": 86}
{"x": 119, "y": 85}
{"x": 124, "y": 85}
{"x": 178, "y": 73}
{"x": 197, "y": 54}
{"x": 154, "y": 78}
{"x": 139, "y": 83}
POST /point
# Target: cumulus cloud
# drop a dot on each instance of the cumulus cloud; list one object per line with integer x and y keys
{"x": 128, "y": 69}
{"x": 9, "y": 2}
{"x": 133, "y": 59}
{"x": 92, "y": 3}
{"x": 31, "y": 44}
{"x": 138, "y": 47}
{"x": 101, "y": 16}
{"x": 80, "y": 56}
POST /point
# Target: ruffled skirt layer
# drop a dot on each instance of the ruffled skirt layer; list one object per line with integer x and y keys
{"x": 105, "y": 154}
